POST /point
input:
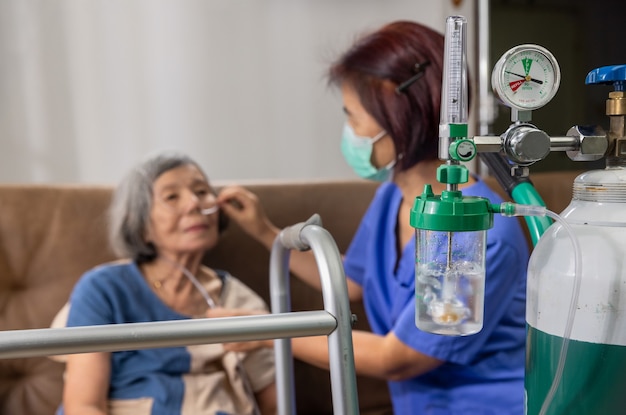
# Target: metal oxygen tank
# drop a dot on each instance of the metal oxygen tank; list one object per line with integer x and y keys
{"x": 593, "y": 378}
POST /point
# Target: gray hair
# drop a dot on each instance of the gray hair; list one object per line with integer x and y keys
{"x": 129, "y": 212}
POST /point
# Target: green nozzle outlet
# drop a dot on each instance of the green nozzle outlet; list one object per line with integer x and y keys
{"x": 463, "y": 150}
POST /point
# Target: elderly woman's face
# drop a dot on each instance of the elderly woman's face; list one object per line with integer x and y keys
{"x": 177, "y": 223}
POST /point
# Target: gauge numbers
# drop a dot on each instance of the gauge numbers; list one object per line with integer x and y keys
{"x": 526, "y": 77}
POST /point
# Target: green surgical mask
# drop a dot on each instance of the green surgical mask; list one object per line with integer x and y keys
{"x": 357, "y": 151}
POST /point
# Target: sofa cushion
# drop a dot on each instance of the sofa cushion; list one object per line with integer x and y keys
{"x": 49, "y": 235}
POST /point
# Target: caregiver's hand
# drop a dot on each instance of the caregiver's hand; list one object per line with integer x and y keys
{"x": 244, "y": 207}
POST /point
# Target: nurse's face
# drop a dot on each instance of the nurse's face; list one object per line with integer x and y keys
{"x": 365, "y": 125}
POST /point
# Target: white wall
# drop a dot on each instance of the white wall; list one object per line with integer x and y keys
{"x": 88, "y": 87}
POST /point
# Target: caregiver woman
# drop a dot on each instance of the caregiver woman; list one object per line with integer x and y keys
{"x": 390, "y": 81}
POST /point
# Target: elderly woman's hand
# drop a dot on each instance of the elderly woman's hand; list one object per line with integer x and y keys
{"x": 244, "y": 207}
{"x": 238, "y": 312}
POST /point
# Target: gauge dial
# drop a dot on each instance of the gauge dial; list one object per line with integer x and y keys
{"x": 526, "y": 77}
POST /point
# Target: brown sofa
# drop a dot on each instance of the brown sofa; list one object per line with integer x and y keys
{"x": 51, "y": 234}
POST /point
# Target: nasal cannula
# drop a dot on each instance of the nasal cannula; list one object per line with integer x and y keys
{"x": 211, "y": 210}
{"x": 210, "y": 302}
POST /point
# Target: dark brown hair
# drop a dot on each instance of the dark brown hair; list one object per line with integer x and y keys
{"x": 377, "y": 64}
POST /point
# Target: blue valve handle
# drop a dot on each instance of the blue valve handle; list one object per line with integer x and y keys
{"x": 613, "y": 74}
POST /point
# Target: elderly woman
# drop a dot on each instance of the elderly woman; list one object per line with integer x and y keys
{"x": 163, "y": 218}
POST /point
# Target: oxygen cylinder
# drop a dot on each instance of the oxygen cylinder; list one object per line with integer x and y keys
{"x": 594, "y": 376}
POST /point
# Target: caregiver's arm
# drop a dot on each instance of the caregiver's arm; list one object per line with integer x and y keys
{"x": 244, "y": 207}
{"x": 384, "y": 357}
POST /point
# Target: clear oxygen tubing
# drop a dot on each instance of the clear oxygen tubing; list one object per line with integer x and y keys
{"x": 525, "y": 193}
{"x": 512, "y": 209}
{"x": 521, "y": 191}
{"x": 212, "y": 304}
{"x": 211, "y": 210}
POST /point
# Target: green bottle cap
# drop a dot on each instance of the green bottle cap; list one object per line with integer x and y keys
{"x": 452, "y": 174}
{"x": 451, "y": 212}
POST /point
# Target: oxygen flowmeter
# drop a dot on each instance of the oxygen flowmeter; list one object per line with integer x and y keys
{"x": 451, "y": 228}
{"x": 575, "y": 309}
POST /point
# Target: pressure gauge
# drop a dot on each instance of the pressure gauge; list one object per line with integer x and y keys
{"x": 526, "y": 77}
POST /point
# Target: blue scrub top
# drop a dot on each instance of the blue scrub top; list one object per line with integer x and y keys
{"x": 483, "y": 373}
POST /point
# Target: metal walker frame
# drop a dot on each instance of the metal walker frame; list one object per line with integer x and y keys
{"x": 335, "y": 321}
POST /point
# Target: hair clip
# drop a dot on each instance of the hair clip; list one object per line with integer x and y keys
{"x": 419, "y": 72}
